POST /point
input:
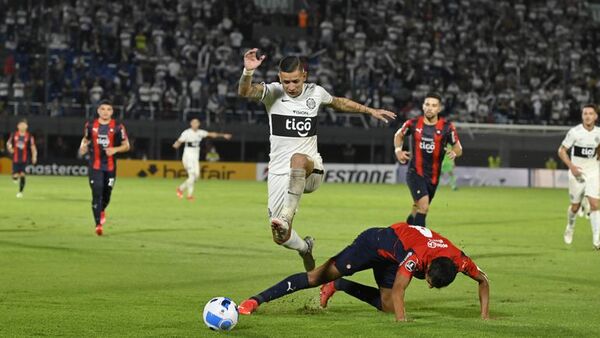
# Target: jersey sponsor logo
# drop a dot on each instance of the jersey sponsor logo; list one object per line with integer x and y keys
{"x": 310, "y": 103}
{"x": 586, "y": 152}
{"x": 436, "y": 243}
{"x": 21, "y": 144}
{"x": 427, "y": 144}
{"x": 291, "y": 126}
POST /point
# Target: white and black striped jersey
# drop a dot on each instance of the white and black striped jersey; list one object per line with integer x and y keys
{"x": 293, "y": 123}
{"x": 582, "y": 144}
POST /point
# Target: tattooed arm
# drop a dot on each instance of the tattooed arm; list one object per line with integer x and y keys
{"x": 347, "y": 105}
{"x": 246, "y": 88}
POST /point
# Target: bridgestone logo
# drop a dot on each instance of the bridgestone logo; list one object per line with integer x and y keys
{"x": 57, "y": 170}
{"x": 293, "y": 126}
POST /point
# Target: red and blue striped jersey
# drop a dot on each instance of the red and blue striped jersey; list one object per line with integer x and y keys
{"x": 102, "y": 136}
{"x": 428, "y": 144}
{"x": 21, "y": 145}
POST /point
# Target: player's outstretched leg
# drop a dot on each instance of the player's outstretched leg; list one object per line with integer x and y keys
{"x": 571, "y": 217}
{"x": 304, "y": 280}
{"x": 367, "y": 294}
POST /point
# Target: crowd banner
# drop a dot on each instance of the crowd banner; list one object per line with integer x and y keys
{"x": 548, "y": 178}
{"x": 175, "y": 169}
{"x": 347, "y": 173}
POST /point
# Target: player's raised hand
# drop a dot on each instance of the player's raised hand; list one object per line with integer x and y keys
{"x": 251, "y": 61}
{"x": 383, "y": 115}
{"x": 402, "y": 156}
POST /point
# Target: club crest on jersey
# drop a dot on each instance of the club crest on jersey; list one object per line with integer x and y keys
{"x": 310, "y": 103}
{"x": 103, "y": 140}
{"x": 438, "y": 131}
{"x": 410, "y": 266}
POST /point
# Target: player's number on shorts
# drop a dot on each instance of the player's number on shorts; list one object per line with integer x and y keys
{"x": 423, "y": 230}
{"x": 111, "y": 182}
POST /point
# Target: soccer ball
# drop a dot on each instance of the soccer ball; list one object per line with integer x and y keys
{"x": 220, "y": 313}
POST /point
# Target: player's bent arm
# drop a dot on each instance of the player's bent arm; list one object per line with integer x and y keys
{"x": 177, "y": 144}
{"x": 124, "y": 147}
{"x": 249, "y": 90}
{"x": 83, "y": 146}
{"x": 33, "y": 154}
{"x": 400, "y": 284}
{"x": 349, "y": 106}
{"x": 9, "y": 146}
{"x": 564, "y": 156}
{"x": 484, "y": 294}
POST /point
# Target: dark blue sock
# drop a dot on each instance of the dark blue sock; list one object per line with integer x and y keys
{"x": 420, "y": 219}
{"x": 410, "y": 219}
{"x": 21, "y": 183}
{"x": 289, "y": 285}
{"x": 365, "y": 293}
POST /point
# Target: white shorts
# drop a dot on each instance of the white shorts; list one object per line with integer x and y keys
{"x": 589, "y": 186}
{"x": 192, "y": 166}
{"x": 278, "y": 186}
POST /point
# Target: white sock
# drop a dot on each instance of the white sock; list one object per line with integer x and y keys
{"x": 295, "y": 190}
{"x": 296, "y": 243}
{"x": 571, "y": 216}
{"x": 183, "y": 186}
{"x": 595, "y": 222}
{"x": 190, "y": 184}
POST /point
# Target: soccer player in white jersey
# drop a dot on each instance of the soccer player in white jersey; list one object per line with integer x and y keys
{"x": 191, "y": 138}
{"x": 582, "y": 142}
{"x": 295, "y": 165}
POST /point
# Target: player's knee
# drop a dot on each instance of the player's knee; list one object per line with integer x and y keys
{"x": 298, "y": 160}
{"x": 575, "y": 207}
{"x": 315, "y": 278}
{"x": 387, "y": 303}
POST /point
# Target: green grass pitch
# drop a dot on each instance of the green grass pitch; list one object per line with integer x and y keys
{"x": 162, "y": 259}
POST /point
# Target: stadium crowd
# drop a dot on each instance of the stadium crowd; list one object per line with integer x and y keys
{"x": 494, "y": 61}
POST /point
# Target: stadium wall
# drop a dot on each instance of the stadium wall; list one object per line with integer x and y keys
{"x": 334, "y": 173}
{"x": 250, "y": 143}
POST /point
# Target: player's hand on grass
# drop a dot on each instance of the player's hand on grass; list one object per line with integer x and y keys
{"x": 251, "y": 62}
{"x": 383, "y": 115}
{"x": 402, "y": 156}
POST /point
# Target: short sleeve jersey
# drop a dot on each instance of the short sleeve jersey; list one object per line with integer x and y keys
{"x": 582, "y": 144}
{"x": 102, "y": 136}
{"x": 192, "y": 139}
{"x": 423, "y": 246}
{"x": 293, "y": 123}
{"x": 21, "y": 144}
{"x": 428, "y": 144}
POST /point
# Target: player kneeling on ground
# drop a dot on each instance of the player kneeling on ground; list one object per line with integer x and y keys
{"x": 395, "y": 254}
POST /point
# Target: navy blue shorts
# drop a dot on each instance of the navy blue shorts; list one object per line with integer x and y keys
{"x": 18, "y": 168}
{"x": 420, "y": 186}
{"x": 362, "y": 254}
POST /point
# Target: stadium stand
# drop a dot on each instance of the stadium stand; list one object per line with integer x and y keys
{"x": 520, "y": 62}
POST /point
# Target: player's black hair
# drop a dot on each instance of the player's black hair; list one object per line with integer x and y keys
{"x": 442, "y": 272}
{"x": 591, "y": 105}
{"x": 292, "y": 63}
{"x": 434, "y": 95}
{"x": 104, "y": 101}
{"x": 23, "y": 120}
